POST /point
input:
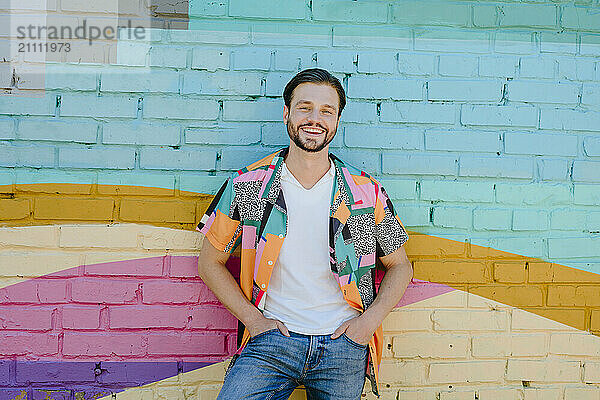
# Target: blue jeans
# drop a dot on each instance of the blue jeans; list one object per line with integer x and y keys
{"x": 272, "y": 365}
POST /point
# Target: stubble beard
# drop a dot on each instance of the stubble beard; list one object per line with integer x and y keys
{"x": 311, "y": 146}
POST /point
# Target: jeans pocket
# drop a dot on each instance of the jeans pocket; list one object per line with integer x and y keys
{"x": 254, "y": 338}
{"x": 353, "y": 343}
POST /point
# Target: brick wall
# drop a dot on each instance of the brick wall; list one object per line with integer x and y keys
{"x": 482, "y": 119}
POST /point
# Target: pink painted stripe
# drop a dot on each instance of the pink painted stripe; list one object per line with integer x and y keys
{"x": 419, "y": 290}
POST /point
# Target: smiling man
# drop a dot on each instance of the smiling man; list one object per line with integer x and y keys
{"x": 310, "y": 229}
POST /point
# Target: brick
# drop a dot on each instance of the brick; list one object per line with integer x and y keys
{"x": 451, "y": 271}
{"x": 53, "y": 291}
{"x": 533, "y": 194}
{"x": 239, "y": 133}
{"x": 26, "y": 156}
{"x": 374, "y": 62}
{"x": 251, "y": 58}
{"x": 180, "y": 108}
{"x": 43, "y": 236}
{"x": 414, "y": 215}
{"x": 466, "y": 371}
{"x": 576, "y": 69}
{"x": 460, "y": 66}
{"x": 64, "y": 208}
{"x": 188, "y": 159}
{"x": 97, "y": 157}
{"x": 463, "y": 141}
{"x": 470, "y": 320}
{"x": 430, "y": 345}
{"x": 587, "y": 194}
{"x": 514, "y": 295}
{"x": 553, "y": 169}
{"x": 384, "y": 88}
{"x": 510, "y": 272}
{"x": 586, "y": 171}
{"x": 417, "y": 164}
{"x": 59, "y": 131}
{"x": 385, "y": 138}
{"x": 424, "y": 113}
{"x": 210, "y": 59}
{"x": 453, "y": 217}
{"x": 172, "y": 292}
{"x": 26, "y": 319}
{"x": 540, "y": 144}
{"x": 74, "y": 317}
{"x": 130, "y": 317}
{"x": 157, "y": 211}
{"x": 20, "y": 343}
{"x": 579, "y": 296}
{"x": 135, "y": 183}
{"x": 110, "y": 291}
{"x": 207, "y": 8}
{"x": 573, "y": 247}
{"x": 513, "y": 15}
{"x": 14, "y": 208}
{"x": 537, "y": 67}
{"x": 542, "y": 394}
{"x": 563, "y": 42}
{"x": 591, "y": 95}
{"x": 532, "y": 247}
{"x": 7, "y": 129}
{"x": 140, "y": 133}
{"x": 262, "y": 110}
{"x": 92, "y": 105}
{"x": 403, "y": 372}
{"x": 401, "y": 320}
{"x": 343, "y": 12}
{"x": 54, "y": 372}
{"x": 291, "y": 34}
{"x": 433, "y": 13}
{"x": 568, "y": 219}
{"x": 292, "y": 60}
{"x": 295, "y": 9}
{"x": 212, "y": 317}
{"x": 485, "y": 15}
{"x": 498, "y": 66}
{"x": 359, "y": 111}
{"x": 579, "y": 18}
{"x": 509, "y": 42}
{"x": 103, "y": 344}
{"x": 192, "y": 344}
{"x": 481, "y": 115}
{"x": 500, "y": 167}
{"x": 464, "y": 90}
{"x": 337, "y": 61}
{"x": 595, "y": 324}
{"x": 564, "y": 119}
{"x": 139, "y": 80}
{"x": 457, "y": 191}
{"x": 530, "y": 220}
{"x": 167, "y": 56}
{"x": 221, "y": 83}
{"x": 543, "y": 371}
{"x": 525, "y": 345}
{"x": 590, "y": 44}
{"x": 400, "y": 189}
{"x": 582, "y": 393}
{"x": 213, "y": 32}
{"x": 275, "y": 83}
{"x": 591, "y": 372}
{"x": 543, "y": 92}
{"x": 385, "y": 37}
{"x": 547, "y": 272}
{"x": 416, "y": 64}
{"x": 497, "y": 394}
{"x": 13, "y": 105}
{"x": 452, "y": 41}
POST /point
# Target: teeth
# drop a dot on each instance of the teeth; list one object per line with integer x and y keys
{"x": 313, "y": 130}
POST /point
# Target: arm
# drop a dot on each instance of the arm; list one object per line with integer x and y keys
{"x": 398, "y": 274}
{"x": 214, "y": 273}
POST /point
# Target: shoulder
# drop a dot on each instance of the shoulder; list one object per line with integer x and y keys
{"x": 358, "y": 175}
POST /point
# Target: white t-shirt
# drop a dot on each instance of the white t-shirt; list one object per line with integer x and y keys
{"x": 302, "y": 293}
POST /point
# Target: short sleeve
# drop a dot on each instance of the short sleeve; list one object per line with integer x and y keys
{"x": 389, "y": 231}
{"x": 221, "y": 221}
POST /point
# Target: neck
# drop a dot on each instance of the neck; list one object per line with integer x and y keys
{"x": 307, "y": 167}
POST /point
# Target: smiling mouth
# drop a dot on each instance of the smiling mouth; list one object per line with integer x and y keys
{"x": 311, "y": 130}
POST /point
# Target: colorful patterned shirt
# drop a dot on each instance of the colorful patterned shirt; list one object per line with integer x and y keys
{"x": 249, "y": 209}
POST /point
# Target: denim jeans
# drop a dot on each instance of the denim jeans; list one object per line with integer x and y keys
{"x": 272, "y": 365}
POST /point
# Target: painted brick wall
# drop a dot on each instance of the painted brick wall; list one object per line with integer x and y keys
{"x": 481, "y": 118}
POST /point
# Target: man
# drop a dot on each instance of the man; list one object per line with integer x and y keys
{"x": 310, "y": 228}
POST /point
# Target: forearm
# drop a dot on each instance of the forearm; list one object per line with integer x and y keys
{"x": 390, "y": 292}
{"x": 217, "y": 277}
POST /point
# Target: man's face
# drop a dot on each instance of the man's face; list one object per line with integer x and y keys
{"x": 312, "y": 118}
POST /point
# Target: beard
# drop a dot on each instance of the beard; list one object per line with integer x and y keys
{"x": 311, "y": 145}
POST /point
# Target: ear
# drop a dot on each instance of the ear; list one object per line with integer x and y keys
{"x": 286, "y": 113}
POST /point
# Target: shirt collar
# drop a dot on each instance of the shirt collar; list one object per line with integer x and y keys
{"x": 287, "y": 175}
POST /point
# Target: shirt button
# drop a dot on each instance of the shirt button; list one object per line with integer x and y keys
{"x": 270, "y": 262}
{"x": 281, "y": 236}
{"x": 262, "y": 286}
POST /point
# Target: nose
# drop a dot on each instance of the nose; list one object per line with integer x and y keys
{"x": 313, "y": 116}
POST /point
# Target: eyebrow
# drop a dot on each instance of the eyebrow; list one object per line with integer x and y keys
{"x": 310, "y": 102}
